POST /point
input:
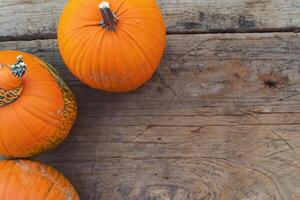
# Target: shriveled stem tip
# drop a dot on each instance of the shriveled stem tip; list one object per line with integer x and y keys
{"x": 109, "y": 18}
{"x": 104, "y": 4}
{"x": 19, "y": 68}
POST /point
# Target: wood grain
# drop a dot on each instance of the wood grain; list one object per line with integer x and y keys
{"x": 36, "y": 19}
{"x": 220, "y": 120}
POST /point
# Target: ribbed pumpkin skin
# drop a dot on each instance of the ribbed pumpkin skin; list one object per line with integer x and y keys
{"x": 32, "y": 180}
{"x": 117, "y": 61}
{"x": 7, "y": 79}
{"x": 42, "y": 116}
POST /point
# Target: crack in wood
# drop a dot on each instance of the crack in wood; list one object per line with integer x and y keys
{"x": 274, "y": 132}
{"x": 212, "y": 32}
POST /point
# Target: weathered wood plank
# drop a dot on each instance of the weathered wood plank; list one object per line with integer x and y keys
{"x": 38, "y": 19}
{"x": 220, "y": 120}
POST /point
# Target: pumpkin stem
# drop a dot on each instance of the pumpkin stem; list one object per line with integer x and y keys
{"x": 11, "y": 85}
{"x": 19, "y": 68}
{"x": 110, "y": 20}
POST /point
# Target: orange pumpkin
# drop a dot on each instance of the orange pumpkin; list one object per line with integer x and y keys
{"x": 116, "y": 48}
{"x": 32, "y": 180}
{"x": 37, "y": 109}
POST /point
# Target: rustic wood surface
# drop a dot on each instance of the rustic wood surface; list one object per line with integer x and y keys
{"x": 38, "y": 18}
{"x": 220, "y": 120}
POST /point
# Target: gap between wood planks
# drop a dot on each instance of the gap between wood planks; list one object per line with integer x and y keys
{"x": 214, "y": 31}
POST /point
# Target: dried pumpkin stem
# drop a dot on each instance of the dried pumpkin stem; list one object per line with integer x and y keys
{"x": 110, "y": 20}
{"x": 19, "y": 68}
{"x": 10, "y": 95}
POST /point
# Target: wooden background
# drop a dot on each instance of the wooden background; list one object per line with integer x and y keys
{"x": 219, "y": 121}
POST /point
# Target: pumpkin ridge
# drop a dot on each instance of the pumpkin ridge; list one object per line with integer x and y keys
{"x": 44, "y": 172}
{"x": 19, "y": 146}
{"x": 31, "y": 188}
{"x": 48, "y": 192}
{"x": 116, "y": 40}
{"x": 143, "y": 30}
{"x": 111, "y": 67}
{"x": 77, "y": 51}
{"x": 121, "y": 49}
{"x": 147, "y": 44}
{"x": 119, "y": 7}
{"x": 139, "y": 46}
{"x": 73, "y": 34}
{"x": 9, "y": 178}
{"x": 41, "y": 97}
{"x": 100, "y": 61}
{"x": 70, "y": 108}
{"x": 86, "y": 61}
{"x": 135, "y": 55}
{"x": 140, "y": 55}
{"x": 94, "y": 71}
{"x": 1, "y": 136}
{"x": 26, "y": 127}
{"x": 78, "y": 60}
{"x": 139, "y": 8}
{"x": 38, "y": 116}
{"x": 90, "y": 62}
{"x": 40, "y": 147}
{"x": 139, "y": 17}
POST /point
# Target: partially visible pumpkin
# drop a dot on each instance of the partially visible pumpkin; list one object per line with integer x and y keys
{"x": 37, "y": 109}
{"x": 116, "y": 48}
{"x": 32, "y": 180}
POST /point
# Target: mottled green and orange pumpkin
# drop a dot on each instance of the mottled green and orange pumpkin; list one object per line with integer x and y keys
{"x": 37, "y": 109}
{"x": 113, "y": 45}
{"x": 32, "y": 180}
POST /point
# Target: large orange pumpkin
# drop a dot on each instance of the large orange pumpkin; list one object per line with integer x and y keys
{"x": 113, "y": 45}
{"x": 37, "y": 109}
{"x": 32, "y": 180}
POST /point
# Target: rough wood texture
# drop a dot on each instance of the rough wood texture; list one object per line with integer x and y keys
{"x": 220, "y": 120}
{"x": 37, "y": 19}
